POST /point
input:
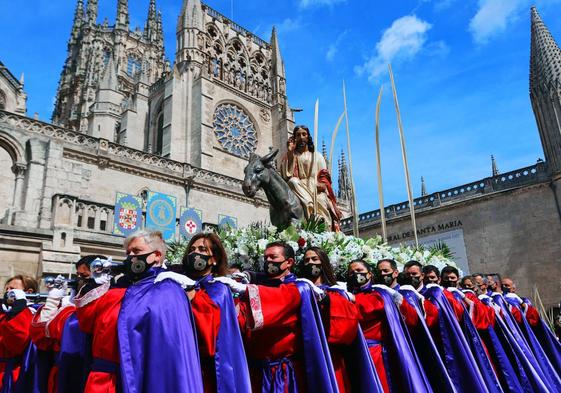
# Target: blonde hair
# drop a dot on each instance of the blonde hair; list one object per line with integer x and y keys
{"x": 154, "y": 239}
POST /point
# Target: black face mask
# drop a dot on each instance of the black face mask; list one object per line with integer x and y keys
{"x": 447, "y": 283}
{"x": 505, "y": 289}
{"x": 415, "y": 282}
{"x": 274, "y": 268}
{"x": 385, "y": 279}
{"x": 311, "y": 271}
{"x": 357, "y": 280}
{"x": 196, "y": 263}
{"x": 136, "y": 266}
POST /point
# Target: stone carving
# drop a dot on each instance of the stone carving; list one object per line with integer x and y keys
{"x": 285, "y": 207}
{"x": 265, "y": 115}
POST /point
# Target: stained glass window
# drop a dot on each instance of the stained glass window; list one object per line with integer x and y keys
{"x": 234, "y": 130}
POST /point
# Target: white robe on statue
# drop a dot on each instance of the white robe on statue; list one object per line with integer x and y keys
{"x": 301, "y": 174}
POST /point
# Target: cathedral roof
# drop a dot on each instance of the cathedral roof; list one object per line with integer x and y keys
{"x": 545, "y": 55}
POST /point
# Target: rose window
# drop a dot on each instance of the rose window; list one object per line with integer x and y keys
{"x": 234, "y": 130}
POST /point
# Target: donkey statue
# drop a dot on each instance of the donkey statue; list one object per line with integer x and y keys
{"x": 285, "y": 205}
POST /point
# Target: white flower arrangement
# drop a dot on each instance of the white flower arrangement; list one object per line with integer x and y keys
{"x": 246, "y": 246}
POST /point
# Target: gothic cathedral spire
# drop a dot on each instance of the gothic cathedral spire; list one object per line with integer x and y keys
{"x": 188, "y": 26}
{"x": 545, "y": 89}
{"x": 91, "y": 12}
{"x": 78, "y": 21}
{"x": 122, "y": 21}
{"x": 151, "y": 27}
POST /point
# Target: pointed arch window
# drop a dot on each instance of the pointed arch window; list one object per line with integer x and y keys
{"x": 2, "y": 100}
{"x": 160, "y": 133}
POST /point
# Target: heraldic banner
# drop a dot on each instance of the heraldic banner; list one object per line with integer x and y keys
{"x": 190, "y": 222}
{"x": 227, "y": 221}
{"x": 128, "y": 214}
{"x": 160, "y": 214}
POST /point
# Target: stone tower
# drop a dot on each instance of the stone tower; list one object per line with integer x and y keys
{"x": 105, "y": 78}
{"x": 545, "y": 89}
{"x": 344, "y": 190}
{"x": 225, "y": 97}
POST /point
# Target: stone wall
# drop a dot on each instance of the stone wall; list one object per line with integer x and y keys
{"x": 516, "y": 233}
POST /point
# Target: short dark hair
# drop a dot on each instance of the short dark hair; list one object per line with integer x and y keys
{"x": 88, "y": 259}
{"x": 464, "y": 279}
{"x": 363, "y": 262}
{"x": 427, "y": 269}
{"x": 450, "y": 269}
{"x": 412, "y": 263}
{"x": 483, "y": 276}
{"x": 392, "y": 262}
{"x": 288, "y": 251}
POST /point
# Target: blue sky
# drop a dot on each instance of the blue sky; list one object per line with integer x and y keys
{"x": 461, "y": 69}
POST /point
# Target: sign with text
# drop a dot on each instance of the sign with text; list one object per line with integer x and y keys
{"x": 450, "y": 233}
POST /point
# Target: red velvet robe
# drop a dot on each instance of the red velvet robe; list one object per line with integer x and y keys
{"x": 374, "y": 326}
{"x": 99, "y": 318}
{"x": 340, "y": 320}
{"x": 270, "y": 324}
{"x": 14, "y": 339}
{"x": 47, "y": 335}
{"x": 431, "y": 314}
{"x": 456, "y": 305}
{"x": 207, "y": 321}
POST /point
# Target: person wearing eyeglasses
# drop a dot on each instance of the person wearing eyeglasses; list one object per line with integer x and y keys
{"x": 142, "y": 331}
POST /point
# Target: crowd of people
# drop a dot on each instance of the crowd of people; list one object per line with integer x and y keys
{"x": 203, "y": 326}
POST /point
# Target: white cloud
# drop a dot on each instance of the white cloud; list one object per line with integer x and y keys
{"x": 289, "y": 24}
{"x": 334, "y": 47}
{"x": 401, "y": 41}
{"x": 493, "y": 17}
{"x": 318, "y": 3}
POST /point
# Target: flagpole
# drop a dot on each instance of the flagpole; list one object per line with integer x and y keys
{"x": 353, "y": 200}
{"x": 379, "y": 167}
{"x": 333, "y": 136}
{"x": 404, "y": 157}
{"x": 316, "y": 126}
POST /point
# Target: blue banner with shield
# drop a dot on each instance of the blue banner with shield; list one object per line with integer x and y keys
{"x": 161, "y": 214}
{"x": 190, "y": 222}
{"x": 227, "y": 221}
{"x": 128, "y": 214}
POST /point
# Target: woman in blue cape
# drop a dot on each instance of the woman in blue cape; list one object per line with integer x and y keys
{"x": 222, "y": 356}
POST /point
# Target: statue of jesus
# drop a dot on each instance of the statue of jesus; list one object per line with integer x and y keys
{"x": 306, "y": 173}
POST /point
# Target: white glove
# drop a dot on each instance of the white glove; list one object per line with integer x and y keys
{"x": 184, "y": 281}
{"x": 13, "y": 294}
{"x": 396, "y": 296}
{"x": 18, "y": 294}
{"x": 456, "y": 290}
{"x": 318, "y": 292}
{"x": 57, "y": 293}
{"x": 242, "y": 277}
{"x": 236, "y": 287}
{"x": 515, "y": 297}
{"x": 411, "y": 288}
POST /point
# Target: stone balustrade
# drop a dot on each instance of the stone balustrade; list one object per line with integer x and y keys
{"x": 517, "y": 178}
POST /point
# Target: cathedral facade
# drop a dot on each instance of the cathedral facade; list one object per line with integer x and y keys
{"x": 128, "y": 120}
